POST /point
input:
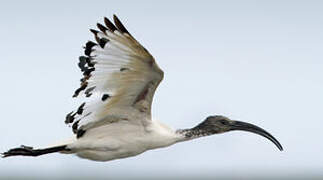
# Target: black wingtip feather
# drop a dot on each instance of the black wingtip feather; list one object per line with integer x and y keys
{"x": 83, "y": 86}
{"x": 80, "y": 133}
{"x": 95, "y": 32}
{"x": 102, "y": 28}
{"x": 102, "y": 42}
{"x": 82, "y": 63}
{"x": 88, "y": 92}
{"x": 88, "y": 47}
{"x": 89, "y": 62}
{"x": 119, "y": 25}
{"x": 70, "y": 117}
{"x": 88, "y": 71}
{"x": 75, "y": 126}
{"x": 85, "y": 78}
{"x": 109, "y": 24}
{"x": 105, "y": 97}
{"x": 80, "y": 109}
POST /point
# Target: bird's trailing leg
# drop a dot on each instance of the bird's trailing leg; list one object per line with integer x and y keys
{"x": 30, "y": 151}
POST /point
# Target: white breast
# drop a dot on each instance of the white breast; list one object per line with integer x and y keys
{"x": 122, "y": 139}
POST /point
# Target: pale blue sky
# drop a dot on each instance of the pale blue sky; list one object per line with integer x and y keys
{"x": 256, "y": 61}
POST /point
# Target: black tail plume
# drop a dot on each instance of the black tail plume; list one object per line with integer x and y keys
{"x": 29, "y": 151}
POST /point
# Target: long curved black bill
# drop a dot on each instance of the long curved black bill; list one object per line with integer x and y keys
{"x": 243, "y": 126}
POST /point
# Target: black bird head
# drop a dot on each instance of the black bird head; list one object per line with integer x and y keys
{"x": 222, "y": 124}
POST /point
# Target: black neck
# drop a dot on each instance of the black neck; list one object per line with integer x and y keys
{"x": 195, "y": 132}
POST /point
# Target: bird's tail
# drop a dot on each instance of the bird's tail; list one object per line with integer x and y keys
{"x": 29, "y": 151}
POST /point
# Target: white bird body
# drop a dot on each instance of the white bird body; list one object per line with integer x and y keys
{"x": 119, "y": 80}
{"x": 123, "y": 139}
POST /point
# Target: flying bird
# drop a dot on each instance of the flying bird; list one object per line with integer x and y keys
{"x": 119, "y": 81}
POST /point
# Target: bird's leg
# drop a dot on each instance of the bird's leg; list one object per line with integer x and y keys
{"x": 22, "y": 150}
{"x": 30, "y": 151}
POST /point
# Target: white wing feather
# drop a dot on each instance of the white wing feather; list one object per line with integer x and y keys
{"x": 120, "y": 79}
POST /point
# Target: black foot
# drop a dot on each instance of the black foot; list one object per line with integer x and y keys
{"x": 21, "y": 151}
{"x": 29, "y": 151}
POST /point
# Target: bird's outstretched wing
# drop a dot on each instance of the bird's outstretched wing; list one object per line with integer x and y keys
{"x": 120, "y": 78}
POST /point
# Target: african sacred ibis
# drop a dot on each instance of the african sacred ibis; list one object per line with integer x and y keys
{"x": 119, "y": 82}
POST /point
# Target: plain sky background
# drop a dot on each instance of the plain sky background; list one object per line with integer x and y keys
{"x": 255, "y": 61}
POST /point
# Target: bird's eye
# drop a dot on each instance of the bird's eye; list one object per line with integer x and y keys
{"x": 224, "y": 122}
